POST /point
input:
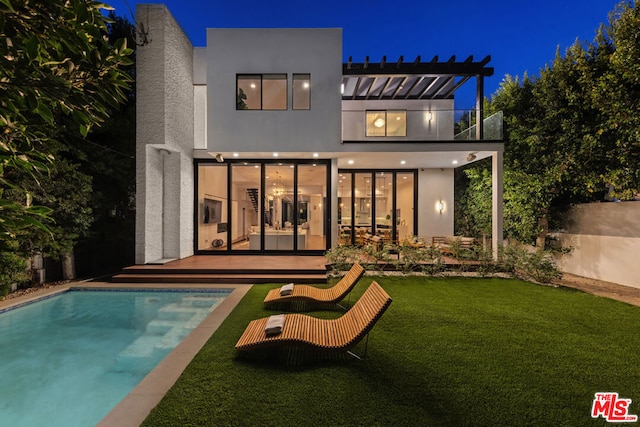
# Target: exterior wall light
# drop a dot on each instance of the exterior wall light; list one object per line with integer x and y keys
{"x": 428, "y": 116}
{"x": 440, "y": 206}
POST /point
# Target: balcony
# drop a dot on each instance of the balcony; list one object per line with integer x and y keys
{"x": 424, "y": 125}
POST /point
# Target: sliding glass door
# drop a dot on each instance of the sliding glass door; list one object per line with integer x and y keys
{"x": 261, "y": 206}
{"x": 376, "y": 203}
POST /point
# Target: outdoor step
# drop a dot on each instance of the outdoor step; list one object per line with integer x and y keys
{"x": 200, "y": 301}
{"x": 219, "y": 278}
{"x": 161, "y": 327}
{"x": 245, "y": 270}
{"x": 196, "y": 320}
{"x": 176, "y": 312}
{"x": 172, "y": 338}
{"x": 143, "y": 346}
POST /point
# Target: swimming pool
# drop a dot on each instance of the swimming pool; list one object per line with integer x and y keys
{"x": 69, "y": 359}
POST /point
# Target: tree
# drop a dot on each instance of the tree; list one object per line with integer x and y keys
{"x": 58, "y": 73}
{"x": 570, "y": 132}
{"x": 616, "y": 94}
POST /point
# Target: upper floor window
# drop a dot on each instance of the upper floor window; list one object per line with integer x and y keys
{"x": 386, "y": 123}
{"x": 301, "y": 91}
{"x": 261, "y": 92}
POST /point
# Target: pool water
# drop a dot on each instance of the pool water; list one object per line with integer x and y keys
{"x": 67, "y": 360}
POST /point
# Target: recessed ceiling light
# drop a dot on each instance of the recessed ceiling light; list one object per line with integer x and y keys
{"x": 315, "y": 154}
{"x": 305, "y": 85}
{"x": 253, "y": 85}
{"x": 315, "y": 165}
{"x": 350, "y": 162}
{"x": 403, "y": 162}
{"x": 235, "y": 154}
{"x": 275, "y": 154}
{"x": 256, "y": 167}
{"x": 455, "y": 162}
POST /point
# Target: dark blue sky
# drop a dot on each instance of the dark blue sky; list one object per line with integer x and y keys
{"x": 519, "y": 35}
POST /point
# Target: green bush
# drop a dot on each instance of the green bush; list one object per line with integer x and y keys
{"x": 342, "y": 256}
{"x": 539, "y": 265}
{"x": 13, "y": 269}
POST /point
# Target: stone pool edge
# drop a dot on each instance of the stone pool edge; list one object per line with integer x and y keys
{"x": 136, "y": 406}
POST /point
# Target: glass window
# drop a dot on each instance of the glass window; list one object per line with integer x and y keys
{"x": 312, "y": 209}
{"x": 249, "y": 92}
{"x": 405, "y": 196}
{"x": 245, "y": 206}
{"x": 274, "y": 92}
{"x": 396, "y": 123}
{"x": 302, "y": 91}
{"x": 279, "y": 215}
{"x": 376, "y": 123}
{"x": 261, "y": 92}
{"x": 345, "y": 208}
{"x": 386, "y": 123}
{"x": 212, "y": 207}
{"x": 363, "y": 206}
{"x": 384, "y": 202}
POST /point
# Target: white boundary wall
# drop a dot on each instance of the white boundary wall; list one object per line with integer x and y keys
{"x": 606, "y": 242}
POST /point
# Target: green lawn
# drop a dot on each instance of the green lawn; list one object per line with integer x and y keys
{"x": 448, "y": 351}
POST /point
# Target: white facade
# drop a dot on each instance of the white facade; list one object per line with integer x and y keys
{"x": 317, "y": 52}
{"x": 187, "y": 112}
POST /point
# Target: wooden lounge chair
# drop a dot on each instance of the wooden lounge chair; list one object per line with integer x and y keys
{"x": 313, "y": 295}
{"x": 326, "y": 335}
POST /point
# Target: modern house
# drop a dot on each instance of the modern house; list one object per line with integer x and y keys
{"x": 264, "y": 141}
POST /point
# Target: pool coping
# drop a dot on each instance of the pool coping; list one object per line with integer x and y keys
{"x": 136, "y": 406}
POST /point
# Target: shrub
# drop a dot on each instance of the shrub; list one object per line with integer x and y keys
{"x": 13, "y": 269}
{"x": 342, "y": 256}
{"x": 539, "y": 265}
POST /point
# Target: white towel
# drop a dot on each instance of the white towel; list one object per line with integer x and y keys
{"x": 286, "y": 290}
{"x": 274, "y": 324}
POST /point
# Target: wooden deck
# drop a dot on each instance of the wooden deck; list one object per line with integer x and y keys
{"x": 229, "y": 269}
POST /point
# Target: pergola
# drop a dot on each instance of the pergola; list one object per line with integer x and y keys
{"x": 415, "y": 80}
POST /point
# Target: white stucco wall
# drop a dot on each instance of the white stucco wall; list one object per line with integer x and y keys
{"x": 435, "y": 185}
{"x": 419, "y": 128}
{"x": 317, "y": 52}
{"x": 164, "y": 139}
{"x": 605, "y": 238}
